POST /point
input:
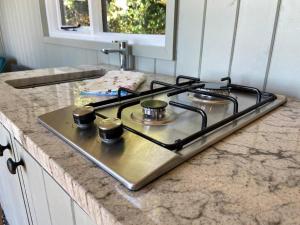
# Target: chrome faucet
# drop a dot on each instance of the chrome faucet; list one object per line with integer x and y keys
{"x": 124, "y": 54}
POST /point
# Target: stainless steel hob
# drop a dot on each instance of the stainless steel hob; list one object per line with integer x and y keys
{"x": 141, "y": 135}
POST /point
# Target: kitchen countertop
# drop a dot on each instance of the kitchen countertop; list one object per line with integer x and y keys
{"x": 250, "y": 177}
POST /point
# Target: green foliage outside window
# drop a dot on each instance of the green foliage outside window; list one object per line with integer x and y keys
{"x": 138, "y": 17}
{"x": 74, "y": 12}
{"x": 120, "y": 16}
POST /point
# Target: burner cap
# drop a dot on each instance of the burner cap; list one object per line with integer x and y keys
{"x": 154, "y": 104}
{"x": 110, "y": 130}
{"x": 154, "y": 109}
{"x": 84, "y": 116}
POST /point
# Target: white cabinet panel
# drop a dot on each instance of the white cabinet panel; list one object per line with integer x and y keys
{"x": 11, "y": 195}
{"x": 81, "y": 217}
{"x": 49, "y": 204}
{"x": 189, "y": 36}
{"x": 60, "y": 204}
{"x": 254, "y": 34}
{"x": 32, "y": 174}
{"x": 284, "y": 74}
{"x": 218, "y": 39}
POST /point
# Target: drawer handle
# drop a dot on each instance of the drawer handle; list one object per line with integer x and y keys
{"x": 3, "y": 148}
{"x": 12, "y": 166}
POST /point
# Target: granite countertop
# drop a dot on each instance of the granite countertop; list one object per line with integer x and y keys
{"x": 251, "y": 177}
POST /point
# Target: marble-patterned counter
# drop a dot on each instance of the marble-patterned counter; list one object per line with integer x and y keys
{"x": 251, "y": 177}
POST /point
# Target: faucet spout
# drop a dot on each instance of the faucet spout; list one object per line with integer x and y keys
{"x": 108, "y": 51}
{"x": 124, "y": 54}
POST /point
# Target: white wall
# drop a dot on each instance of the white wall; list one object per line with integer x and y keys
{"x": 215, "y": 38}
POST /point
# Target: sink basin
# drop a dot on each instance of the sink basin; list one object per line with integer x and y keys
{"x": 32, "y": 82}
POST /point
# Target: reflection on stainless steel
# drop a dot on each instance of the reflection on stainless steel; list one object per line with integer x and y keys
{"x": 136, "y": 161}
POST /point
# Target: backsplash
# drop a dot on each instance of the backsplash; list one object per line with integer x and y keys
{"x": 214, "y": 38}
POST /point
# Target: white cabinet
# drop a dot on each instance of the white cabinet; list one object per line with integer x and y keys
{"x": 48, "y": 203}
{"x": 28, "y": 194}
{"x": 60, "y": 204}
{"x": 34, "y": 187}
{"x": 11, "y": 196}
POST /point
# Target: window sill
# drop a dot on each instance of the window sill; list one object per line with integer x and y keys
{"x": 159, "y": 50}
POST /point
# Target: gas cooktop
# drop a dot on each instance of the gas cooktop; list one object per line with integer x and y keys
{"x": 139, "y": 136}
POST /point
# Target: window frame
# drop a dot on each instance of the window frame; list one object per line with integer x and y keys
{"x": 146, "y": 45}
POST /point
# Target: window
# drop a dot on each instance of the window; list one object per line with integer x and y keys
{"x": 134, "y": 16}
{"x": 141, "y": 22}
{"x": 74, "y": 12}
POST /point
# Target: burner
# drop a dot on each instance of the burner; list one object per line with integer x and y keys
{"x": 154, "y": 113}
{"x": 217, "y": 88}
{"x": 154, "y": 109}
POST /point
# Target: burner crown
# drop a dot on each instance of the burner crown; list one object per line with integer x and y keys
{"x": 154, "y": 104}
{"x": 154, "y": 109}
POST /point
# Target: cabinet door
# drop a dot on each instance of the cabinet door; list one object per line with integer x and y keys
{"x": 11, "y": 196}
{"x": 32, "y": 174}
{"x": 81, "y": 217}
{"x": 60, "y": 203}
{"x": 49, "y": 204}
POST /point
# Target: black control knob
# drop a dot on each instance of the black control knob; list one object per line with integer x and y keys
{"x": 84, "y": 116}
{"x": 3, "y": 148}
{"x": 12, "y": 166}
{"x": 110, "y": 130}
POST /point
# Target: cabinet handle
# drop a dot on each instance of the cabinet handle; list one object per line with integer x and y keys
{"x": 12, "y": 166}
{"x": 3, "y": 148}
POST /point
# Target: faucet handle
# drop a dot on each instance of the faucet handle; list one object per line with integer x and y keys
{"x": 122, "y": 43}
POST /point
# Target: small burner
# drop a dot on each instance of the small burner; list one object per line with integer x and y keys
{"x": 154, "y": 109}
{"x": 154, "y": 113}
{"x": 217, "y": 88}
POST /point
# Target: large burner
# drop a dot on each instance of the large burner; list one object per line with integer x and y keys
{"x": 154, "y": 109}
{"x": 217, "y": 88}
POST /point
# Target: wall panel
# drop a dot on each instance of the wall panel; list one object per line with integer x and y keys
{"x": 284, "y": 74}
{"x": 165, "y": 67}
{"x": 189, "y": 36}
{"x": 214, "y": 38}
{"x": 254, "y": 34}
{"x": 145, "y": 64}
{"x": 1, "y": 47}
{"x": 218, "y": 38}
{"x": 21, "y": 27}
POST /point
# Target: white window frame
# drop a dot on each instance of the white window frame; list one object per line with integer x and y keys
{"x": 157, "y": 46}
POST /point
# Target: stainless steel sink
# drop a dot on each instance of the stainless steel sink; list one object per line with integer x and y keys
{"x": 32, "y": 82}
